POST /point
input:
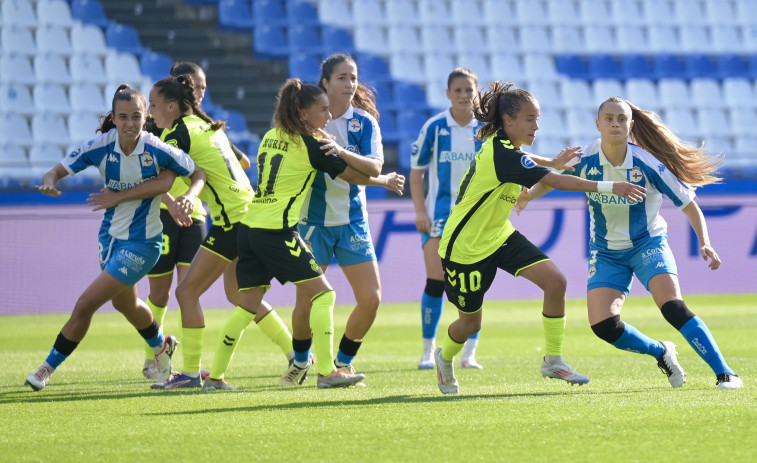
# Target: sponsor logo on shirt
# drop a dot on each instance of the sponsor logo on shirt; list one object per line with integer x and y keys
{"x": 112, "y": 158}
{"x": 452, "y": 156}
{"x": 354, "y": 125}
{"x": 593, "y": 171}
{"x": 527, "y": 162}
{"x": 608, "y": 199}
{"x": 508, "y": 198}
{"x": 636, "y": 175}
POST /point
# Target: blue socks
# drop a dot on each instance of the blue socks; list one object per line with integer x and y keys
{"x": 699, "y": 337}
{"x": 55, "y": 358}
{"x": 634, "y": 340}
{"x": 431, "y": 313}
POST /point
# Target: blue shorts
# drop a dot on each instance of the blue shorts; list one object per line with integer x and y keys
{"x": 437, "y": 227}
{"x": 615, "y": 269}
{"x": 351, "y": 243}
{"x": 128, "y": 260}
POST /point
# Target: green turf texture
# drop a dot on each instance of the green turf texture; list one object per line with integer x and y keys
{"x": 97, "y": 407}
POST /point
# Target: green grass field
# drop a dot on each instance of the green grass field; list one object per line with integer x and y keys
{"x": 97, "y": 407}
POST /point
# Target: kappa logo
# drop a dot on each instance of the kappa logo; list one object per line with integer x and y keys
{"x": 443, "y": 132}
{"x": 593, "y": 171}
{"x": 123, "y": 270}
{"x": 661, "y": 168}
{"x": 660, "y": 265}
{"x": 112, "y": 158}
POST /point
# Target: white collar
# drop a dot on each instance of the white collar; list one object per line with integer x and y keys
{"x": 627, "y": 162}
{"x": 139, "y": 149}
{"x": 348, "y": 114}
{"x": 452, "y": 122}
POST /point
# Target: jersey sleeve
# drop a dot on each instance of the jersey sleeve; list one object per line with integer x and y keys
{"x": 422, "y": 151}
{"x": 669, "y": 185}
{"x": 370, "y": 142}
{"x": 170, "y": 157}
{"x": 329, "y": 163}
{"x": 178, "y": 137}
{"x": 514, "y": 166}
{"x": 90, "y": 153}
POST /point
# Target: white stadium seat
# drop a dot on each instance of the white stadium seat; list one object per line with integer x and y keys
{"x": 549, "y": 146}
{"x": 334, "y": 12}
{"x": 19, "y": 40}
{"x": 87, "y": 68}
{"x": 14, "y": 129}
{"x": 603, "y": 89}
{"x": 401, "y": 13}
{"x": 539, "y": 67}
{"x": 123, "y": 68}
{"x": 18, "y": 13}
{"x": 54, "y": 13}
{"x": 663, "y": 39}
{"x": 51, "y": 68}
{"x": 12, "y": 155}
{"x": 576, "y": 93}
{"x": 706, "y": 93}
{"x": 719, "y": 13}
{"x": 599, "y": 39}
{"x": 87, "y": 97}
{"x": 403, "y": 39}
{"x": 695, "y": 39}
{"x": 506, "y": 66}
{"x": 406, "y": 66}
{"x": 562, "y": 12}
{"x": 531, "y": 12}
{"x": 682, "y": 122}
{"x": 436, "y": 94}
{"x": 15, "y": 68}
{"x": 547, "y": 93}
{"x": 433, "y": 39}
{"x": 438, "y": 65}
{"x": 478, "y": 63}
{"x": 82, "y": 126}
{"x": 371, "y": 39}
{"x": 368, "y": 12}
{"x": 466, "y": 13}
{"x": 674, "y": 93}
{"x": 45, "y": 155}
{"x": 643, "y": 93}
{"x": 657, "y": 12}
{"x": 51, "y": 98}
{"x": 16, "y": 98}
{"x": 746, "y": 12}
{"x": 743, "y": 121}
{"x": 626, "y": 12}
{"x": 690, "y": 12}
{"x": 631, "y": 39}
{"x": 501, "y": 39}
{"x": 726, "y": 39}
{"x": 50, "y": 128}
{"x": 550, "y": 124}
{"x": 469, "y": 38}
{"x": 495, "y": 10}
{"x": 53, "y": 39}
{"x": 713, "y": 122}
{"x": 567, "y": 39}
{"x": 581, "y": 124}
{"x": 593, "y": 12}
{"x": 86, "y": 38}
{"x": 434, "y": 12}
{"x": 535, "y": 39}
{"x": 738, "y": 93}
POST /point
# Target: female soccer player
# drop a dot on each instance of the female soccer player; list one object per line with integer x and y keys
{"x": 479, "y": 237}
{"x": 631, "y": 238}
{"x": 334, "y": 219}
{"x": 130, "y": 234}
{"x": 446, "y": 145}
{"x": 174, "y": 106}
{"x": 270, "y": 245}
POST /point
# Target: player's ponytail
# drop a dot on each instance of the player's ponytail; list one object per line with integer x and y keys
{"x": 687, "y": 161}
{"x": 365, "y": 97}
{"x": 124, "y": 92}
{"x": 190, "y": 96}
{"x": 181, "y": 91}
{"x": 501, "y": 99}
{"x": 294, "y": 96}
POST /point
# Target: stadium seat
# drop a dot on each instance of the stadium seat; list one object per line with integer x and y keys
{"x": 336, "y": 40}
{"x": 87, "y": 97}
{"x": 12, "y": 155}
{"x": 726, "y": 39}
{"x": 731, "y": 65}
{"x": 45, "y": 156}
{"x": 236, "y": 124}
{"x": 82, "y": 126}
{"x": 699, "y": 66}
{"x": 335, "y": 12}
{"x": 18, "y": 13}
{"x": 304, "y": 39}
{"x": 51, "y": 98}
{"x": 656, "y": 12}
{"x": 409, "y": 123}
{"x": 306, "y": 66}
{"x": 599, "y": 39}
{"x": 576, "y": 93}
{"x": 539, "y": 67}
{"x": 371, "y": 39}
{"x": 745, "y": 147}
{"x": 682, "y": 122}
{"x": 466, "y": 13}
{"x": 468, "y": 39}
{"x": 409, "y": 96}
{"x": 593, "y": 12}
{"x": 636, "y": 66}
{"x": 88, "y": 68}
{"x": 581, "y": 124}
{"x": 88, "y": 38}
{"x": 235, "y": 15}
{"x": 567, "y": 39}
{"x": 534, "y": 39}
{"x": 16, "y": 98}
{"x": 403, "y": 39}
{"x": 743, "y": 121}
{"x": 268, "y": 13}
{"x": 14, "y": 129}
{"x": 89, "y": 12}
{"x": 388, "y": 128}
{"x": 372, "y": 68}
{"x": 688, "y": 12}
{"x": 478, "y": 63}
{"x": 562, "y": 13}
{"x": 603, "y": 67}
{"x": 663, "y": 39}
{"x": 501, "y": 39}
{"x": 548, "y": 145}
{"x": 155, "y": 65}
{"x": 695, "y": 39}
{"x": 719, "y": 13}
{"x": 54, "y": 13}
{"x": 51, "y": 68}
{"x": 53, "y": 39}
{"x": 631, "y": 39}
{"x": 603, "y": 89}
{"x": 122, "y": 67}
{"x": 668, "y": 67}
{"x": 15, "y": 68}
{"x": 530, "y": 12}
{"x": 301, "y": 12}
{"x": 17, "y": 40}
{"x": 674, "y": 93}
{"x": 384, "y": 94}
{"x": 547, "y": 93}
{"x": 370, "y": 12}
{"x": 436, "y": 94}
{"x": 406, "y": 66}
{"x": 401, "y": 13}
{"x": 746, "y": 12}
{"x": 625, "y": 12}
{"x": 551, "y": 124}
{"x": 494, "y": 11}
{"x": 438, "y": 66}
{"x": 713, "y": 122}
{"x": 706, "y": 93}
{"x": 50, "y": 128}
{"x": 434, "y": 12}
{"x": 15, "y": 171}
{"x": 643, "y": 93}
{"x": 506, "y": 66}
{"x": 572, "y": 66}
{"x": 270, "y": 41}
{"x": 123, "y": 38}
{"x": 738, "y": 93}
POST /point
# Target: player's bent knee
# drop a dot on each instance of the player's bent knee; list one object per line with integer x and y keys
{"x": 609, "y": 329}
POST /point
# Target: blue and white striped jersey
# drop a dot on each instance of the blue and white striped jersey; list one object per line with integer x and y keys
{"x": 333, "y": 202}
{"x": 615, "y": 222}
{"x": 138, "y": 219}
{"x": 446, "y": 149}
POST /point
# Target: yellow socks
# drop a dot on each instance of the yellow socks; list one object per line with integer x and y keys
{"x": 450, "y": 348}
{"x": 554, "y": 333}
{"x": 322, "y": 326}
{"x": 273, "y": 326}
{"x": 194, "y": 338}
{"x": 231, "y": 333}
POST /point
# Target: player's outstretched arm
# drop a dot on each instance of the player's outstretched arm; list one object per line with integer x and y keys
{"x": 368, "y": 166}
{"x": 50, "y": 181}
{"x": 392, "y": 181}
{"x": 694, "y": 214}
{"x": 107, "y": 198}
{"x": 625, "y": 190}
{"x": 560, "y": 162}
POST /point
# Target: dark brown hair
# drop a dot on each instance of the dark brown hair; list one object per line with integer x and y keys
{"x": 181, "y": 91}
{"x": 124, "y": 92}
{"x": 462, "y": 72}
{"x": 364, "y": 98}
{"x": 501, "y": 99}
{"x": 293, "y": 97}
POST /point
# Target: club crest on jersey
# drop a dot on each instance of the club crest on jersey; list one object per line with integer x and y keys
{"x": 354, "y": 125}
{"x": 147, "y": 160}
{"x": 636, "y": 176}
{"x": 527, "y": 162}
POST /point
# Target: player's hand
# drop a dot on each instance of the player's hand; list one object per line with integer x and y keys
{"x": 187, "y": 202}
{"x": 395, "y": 182}
{"x": 49, "y": 190}
{"x": 330, "y": 146}
{"x": 179, "y": 214}
{"x": 105, "y": 199}
{"x": 708, "y": 252}
{"x": 629, "y": 191}
{"x": 423, "y": 222}
{"x": 559, "y": 162}
{"x": 522, "y": 201}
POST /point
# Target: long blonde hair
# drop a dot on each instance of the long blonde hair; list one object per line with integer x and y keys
{"x": 688, "y": 162}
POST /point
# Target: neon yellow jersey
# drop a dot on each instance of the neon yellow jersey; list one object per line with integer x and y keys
{"x": 180, "y": 187}
{"x": 479, "y": 222}
{"x": 227, "y": 189}
{"x": 287, "y": 165}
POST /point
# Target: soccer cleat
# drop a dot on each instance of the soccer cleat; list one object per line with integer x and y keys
{"x": 339, "y": 378}
{"x": 471, "y": 363}
{"x": 729, "y": 381}
{"x": 668, "y": 363}
{"x": 38, "y": 380}
{"x": 561, "y": 370}
{"x": 163, "y": 359}
{"x": 445, "y": 374}
{"x": 204, "y": 374}
{"x": 210, "y": 384}
{"x": 150, "y": 370}
{"x": 427, "y": 361}
{"x": 349, "y": 369}
{"x": 295, "y": 375}
{"x": 179, "y": 380}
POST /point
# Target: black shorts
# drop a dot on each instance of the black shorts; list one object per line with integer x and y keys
{"x": 268, "y": 254}
{"x": 466, "y": 284}
{"x": 179, "y": 244}
{"x": 222, "y": 242}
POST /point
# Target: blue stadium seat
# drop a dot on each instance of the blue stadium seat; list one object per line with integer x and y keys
{"x": 304, "y": 39}
{"x": 89, "y": 12}
{"x": 269, "y": 12}
{"x": 336, "y": 40}
{"x": 699, "y": 66}
{"x": 668, "y": 66}
{"x": 372, "y": 68}
{"x": 301, "y": 12}
{"x": 270, "y": 41}
{"x": 404, "y": 152}
{"x": 306, "y": 66}
{"x": 572, "y": 66}
{"x": 124, "y": 38}
{"x": 409, "y": 96}
{"x": 383, "y": 94}
{"x": 388, "y": 127}
{"x": 208, "y": 105}
{"x": 731, "y": 66}
{"x": 753, "y": 66}
{"x": 636, "y": 67}
{"x": 409, "y": 123}
{"x": 603, "y": 67}
{"x": 155, "y": 65}
{"x": 235, "y": 15}
{"x": 200, "y": 2}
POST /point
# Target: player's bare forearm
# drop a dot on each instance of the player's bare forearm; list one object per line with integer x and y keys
{"x": 50, "y": 181}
